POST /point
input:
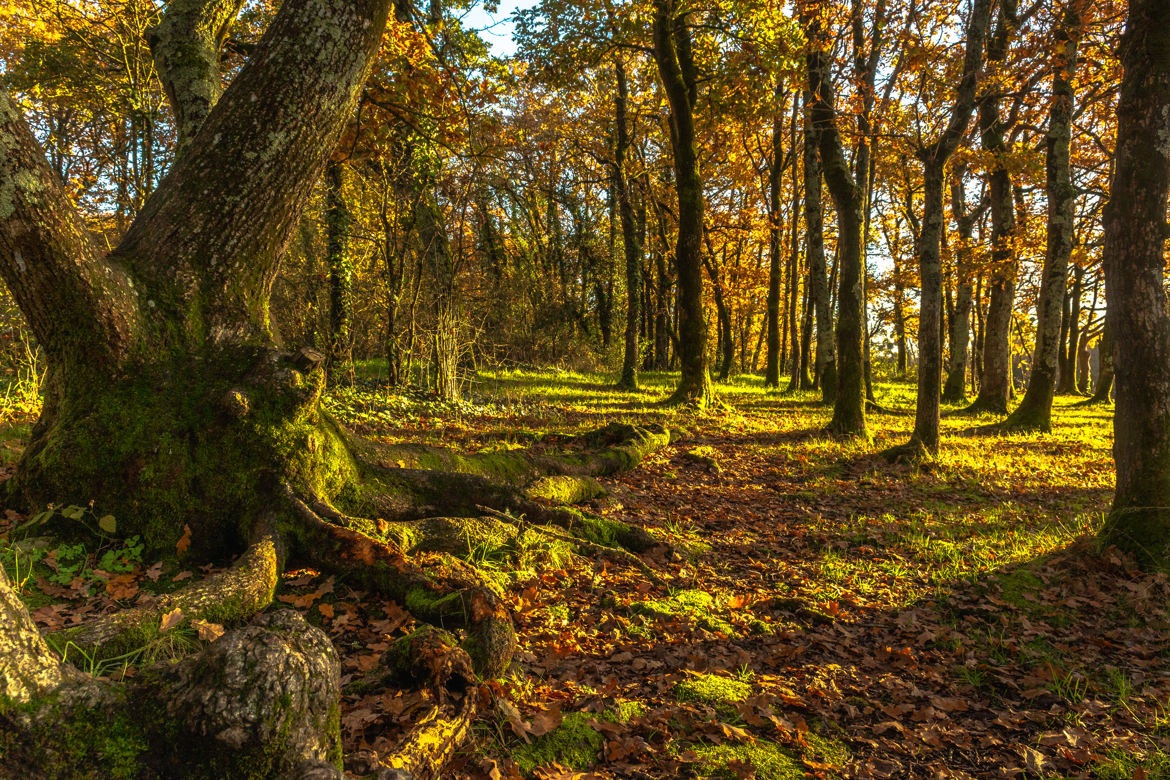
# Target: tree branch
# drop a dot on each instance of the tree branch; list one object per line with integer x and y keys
{"x": 186, "y": 45}
{"x": 248, "y": 172}
{"x": 81, "y": 310}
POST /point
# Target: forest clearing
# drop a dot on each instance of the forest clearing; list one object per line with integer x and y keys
{"x": 635, "y": 389}
{"x": 820, "y": 612}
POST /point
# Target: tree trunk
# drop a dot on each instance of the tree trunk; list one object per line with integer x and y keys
{"x": 1035, "y": 411}
{"x": 825, "y": 367}
{"x": 775, "y": 183}
{"x": 995, "y": 388}
{"x": 672, "y": 53}
{"x": 631, "y": 240}
{"x": 1135, "y": 238}
{"x": 1105, "y": 375}
{"x": 339, "y": 358}
{"x": 925, "y": 437}
{"x": 955, "y": 388}
{"x": 849, "y": 403}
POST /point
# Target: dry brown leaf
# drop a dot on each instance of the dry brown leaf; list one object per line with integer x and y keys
{"x": 170, "y": 620}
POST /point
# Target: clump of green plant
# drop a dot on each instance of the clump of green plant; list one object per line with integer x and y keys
{"x": 769, "y": 760}
{"x": 574, "y": 743}
{"x": 697, "y": 605}
{"x": 721, "y": 692}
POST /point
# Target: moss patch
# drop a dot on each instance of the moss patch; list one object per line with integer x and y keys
{"x": 770, "y": 761}
{"x": 574, "y": 744}
{"x": 722, "y": 692}
{"x": 697, "y": 605}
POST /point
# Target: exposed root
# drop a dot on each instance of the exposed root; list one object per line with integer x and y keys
{"x": 912, "y": 452}
{"x": 229, "y": 597}
{"x": 430, "y": 656}
{"x": 436, "y": 588}
{"x": 616, "y": 447}
{"x": 602, "y": 551}
{"x": 565, "y": 489}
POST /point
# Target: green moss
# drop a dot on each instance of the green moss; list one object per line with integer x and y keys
{"x": 115, "y": 745}
{"x": 770, "y": 761}
{"x": 712, "y": 689}
{"x": 574, "y": 744}
{"x": 697, "y": 605}
{"x": 565, "y": 489}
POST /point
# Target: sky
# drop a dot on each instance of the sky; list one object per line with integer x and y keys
{"x": 496, "y": 28}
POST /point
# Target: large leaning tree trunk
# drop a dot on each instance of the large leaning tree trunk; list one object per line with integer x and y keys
{"x": 170, "y": 405}
{"x": 849, "y": 401}
{"x": 1135, "y": 264}
{"x": 676, "y": 68}
{"x": 934, "y": 157}
{"x": 1035, "y": 410}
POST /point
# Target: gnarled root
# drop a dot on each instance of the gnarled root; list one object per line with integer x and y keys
{"x": 436, "y": 588}
{"x": 229, "y": 597}
{"x": 429, "y": 656}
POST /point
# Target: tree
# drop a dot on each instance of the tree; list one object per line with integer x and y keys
{"x": 1035, "y": 410}
{"x": 849, "y": 401}
{"x": 170, "y": 405}
{"x": 676, "y": 68}
{"x": 995, "y": 387}
{"x": 934, "y": 157}
{"x": 631, "y": 240}
{"x": 1134, "y": 255}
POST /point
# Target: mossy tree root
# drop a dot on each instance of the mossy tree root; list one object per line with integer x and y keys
{"x": 436, "y": 588}
{"x": 229, "y": 597}
{"x": 614, "y": 448}
{"x": 431, "y": 657}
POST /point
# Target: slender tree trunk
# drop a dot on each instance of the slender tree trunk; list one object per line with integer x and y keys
{"x": 995, "y": 388}
{"x": 773, "y": 358}
{"x": 1105, "y": 375}
{"x": 631, "y": 240}
{"x": 672, "y": 52}
{"x": 339, "y": 358}
{"x": 925, "y": 438}
{"x": 849, "y": 404}
{"x": 825, "y": 367}
{"x": 1035, "y": 411}
{"x": 955, "y": 388}
{"x": 1134, "y": 257}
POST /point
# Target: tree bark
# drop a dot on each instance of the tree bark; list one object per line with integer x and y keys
{"x": 631, "y": 240}
{"x": 1134, "y": 259}
{"x": 672, "y": 53}
{"x": 849, "y": 403}
{"x": 995, "y": 389}
{"x": 955, "y": 388}
{"x": 775, "y": 184}
{"x": 1035, "y": 410}
{"x": 925, "y": 437}
{"x": 825, "y": 365}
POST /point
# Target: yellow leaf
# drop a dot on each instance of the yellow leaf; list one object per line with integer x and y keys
{"x": 170, "y": 620}
{"x": 208, "y": 632}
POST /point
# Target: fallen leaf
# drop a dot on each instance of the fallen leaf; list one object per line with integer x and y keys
{"x": 170, "y": 620}
{"x": 208, "y": 632}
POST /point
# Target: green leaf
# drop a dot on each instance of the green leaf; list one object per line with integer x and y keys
{"x": 108, "y": 524}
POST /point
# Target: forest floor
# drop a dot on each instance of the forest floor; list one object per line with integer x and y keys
{"x": 825, "y": 613}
